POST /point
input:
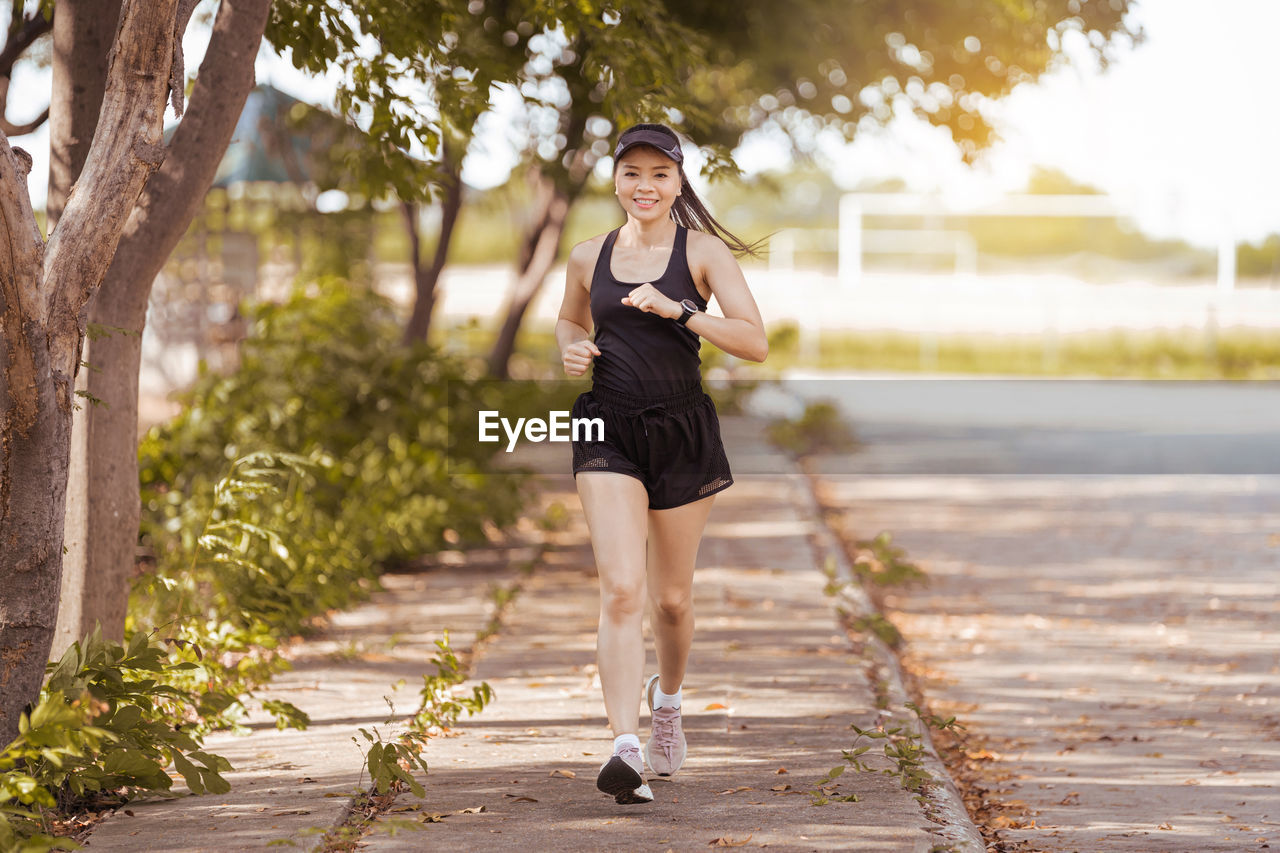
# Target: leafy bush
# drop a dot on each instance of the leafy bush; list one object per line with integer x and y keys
{"x": 108, "y": 722}
{"x": 363, "y": 422}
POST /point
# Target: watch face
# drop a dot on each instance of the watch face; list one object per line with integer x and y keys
{"x": 689, "y": 305}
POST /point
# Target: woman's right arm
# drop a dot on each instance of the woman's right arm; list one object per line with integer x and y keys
{"x": 573, "y": 327}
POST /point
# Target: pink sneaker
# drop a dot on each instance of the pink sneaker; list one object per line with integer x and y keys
{"x": 666, "y": 750}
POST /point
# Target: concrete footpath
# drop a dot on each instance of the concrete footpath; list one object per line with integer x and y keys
{"x": 289, "y": 787}
{"x": 773, "y": 685}
{"x": 1101, "y": 614}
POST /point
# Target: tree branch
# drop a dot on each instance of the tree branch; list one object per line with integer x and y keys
{"x": 23, "y": 129}
{"x": 174, "y": 194}
{"x": 125, "y": 151}
{"x": 21, "y": 252}
{"x": 32, "y": 29}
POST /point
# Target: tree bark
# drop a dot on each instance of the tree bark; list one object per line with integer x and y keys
{"x": 426, "y": 279}
{"x": 103, "y": 500}
{"x": 83, "y": 31}
{"x": 46, "y": 289}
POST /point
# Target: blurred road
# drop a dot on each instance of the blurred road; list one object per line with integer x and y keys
{"x": 1112, "y": 641}
{"x": 986, "y": 426}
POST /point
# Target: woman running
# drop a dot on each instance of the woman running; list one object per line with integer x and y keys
{"x": 648, "y": 485}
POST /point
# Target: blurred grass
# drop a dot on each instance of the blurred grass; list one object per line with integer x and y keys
{"x": 1230, "y": 354}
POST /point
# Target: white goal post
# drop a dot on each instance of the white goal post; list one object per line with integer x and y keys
{"x": 851, "y": 237}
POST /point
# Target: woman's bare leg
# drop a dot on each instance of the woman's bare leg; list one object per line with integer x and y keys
{"x": 674, "y": 536}
{"x": 615, "y": 507}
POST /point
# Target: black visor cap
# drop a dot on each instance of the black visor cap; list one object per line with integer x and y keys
{"x": 655, "y": 138}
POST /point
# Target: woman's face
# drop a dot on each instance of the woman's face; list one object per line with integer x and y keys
{"x": 647, "y": 183}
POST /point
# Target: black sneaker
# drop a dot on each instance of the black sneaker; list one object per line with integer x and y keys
{"x": 622, "y": 777}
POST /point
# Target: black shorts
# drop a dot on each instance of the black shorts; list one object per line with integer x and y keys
{"x": 671, "y": 444}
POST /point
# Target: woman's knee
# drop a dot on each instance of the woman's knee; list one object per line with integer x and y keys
{"x": 620, "y": 602}
{"x": 672, "y": 606}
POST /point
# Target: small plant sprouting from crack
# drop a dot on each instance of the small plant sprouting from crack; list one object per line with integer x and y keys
{"x": 901, "y": 744}
{"x": 882, "y": 563}
{"x": 876, "y": 623}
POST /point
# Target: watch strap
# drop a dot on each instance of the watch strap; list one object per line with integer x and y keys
{"x": 687, "y": 311}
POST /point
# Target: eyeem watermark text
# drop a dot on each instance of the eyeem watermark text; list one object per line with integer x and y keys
{"x": 558, "y": 427}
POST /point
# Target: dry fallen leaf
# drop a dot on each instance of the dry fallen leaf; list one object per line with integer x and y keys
{"x": 716, "y": 706}
{"x": 568, "y": 774}
{"x": 433, "y": 818}
{"x": 780, "y": 788}
{"x": 472, "y": 810}
{"x": 736, "y": 790}
{"x": 516, "y": 799}
{"x": 780, "y": 771}
{"x": 726, "y": 841}
{"x": 1165, "y": 826}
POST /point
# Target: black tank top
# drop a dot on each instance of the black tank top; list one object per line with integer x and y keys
{"x": 640, "y": 353}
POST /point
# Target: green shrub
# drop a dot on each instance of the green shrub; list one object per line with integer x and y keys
{"x": 107, "y": 725}
{"x": 363, "y": 419}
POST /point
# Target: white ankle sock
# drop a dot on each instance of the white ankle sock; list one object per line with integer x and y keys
{"x": 622, "y": 741}
{"x": 665, "y": 700}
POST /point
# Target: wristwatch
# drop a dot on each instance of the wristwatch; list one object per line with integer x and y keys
{"x": 690, "y": 308}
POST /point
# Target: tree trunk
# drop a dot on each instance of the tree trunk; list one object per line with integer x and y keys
{"x": 46, "y": 289}
{"x": 426, "y": 279}
{"x": 539, "y": 250}
{"x": 558, "y": 188}
{"x": 36, "y": 421}
{"x": 83, "y": 31}
{"x": 103, "y": 501}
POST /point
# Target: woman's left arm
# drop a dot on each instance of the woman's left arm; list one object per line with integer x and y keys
{"x": 740, "y": 332}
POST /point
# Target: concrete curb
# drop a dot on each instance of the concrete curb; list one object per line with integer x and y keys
{"x": 945, "y": 804}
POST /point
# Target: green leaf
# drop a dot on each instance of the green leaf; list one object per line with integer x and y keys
{"x": 212, "y": 761}
{"x": 129, "y": 762}
{"x": 125, "y": 718}
{"x": 214, "y": 783}
{"x": 189, "y": 772}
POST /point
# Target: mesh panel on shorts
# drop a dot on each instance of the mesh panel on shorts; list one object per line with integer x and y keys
{"x": 718, "y": 475}
{"x": 718, "y": 483}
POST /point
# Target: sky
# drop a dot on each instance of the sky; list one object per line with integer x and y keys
{"x": 1180, "y": 131}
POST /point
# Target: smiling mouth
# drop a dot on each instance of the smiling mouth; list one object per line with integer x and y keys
{"x": 646, "y": 202}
